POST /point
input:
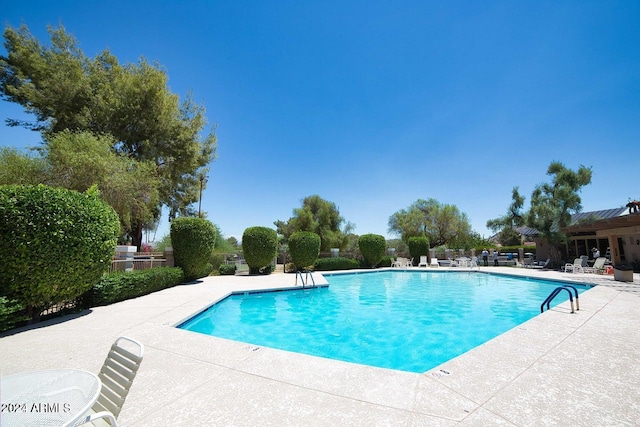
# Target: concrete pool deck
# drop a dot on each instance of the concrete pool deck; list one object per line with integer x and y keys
{"x": 556, "y": 369}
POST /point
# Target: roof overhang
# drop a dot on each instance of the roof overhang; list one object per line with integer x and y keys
{"x": 625, "y": 224}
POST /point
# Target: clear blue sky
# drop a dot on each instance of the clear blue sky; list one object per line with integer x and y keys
{"x": 373, "y": 105}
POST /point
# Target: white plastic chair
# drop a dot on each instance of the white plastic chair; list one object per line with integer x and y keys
{"x": 434, "y": 262}
{"x": 117, "y": 374}
{"x": 576, "y": 267}
{"x": 423, "y": 261}
{"x": 399, "y": 262}
{"x": 474, "y": 262}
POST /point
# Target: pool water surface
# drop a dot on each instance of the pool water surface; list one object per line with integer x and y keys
{"x": 410, "y": 321}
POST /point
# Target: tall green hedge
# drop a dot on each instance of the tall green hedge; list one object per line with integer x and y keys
{"x": 12, "y": 313}
{"x": 193, "y": 240}
{"x": 418, "y": 246}
{"x": 259, "y": 246}
{"x": 304, "y": 247}
{"x": 372, "y": 247}
{"x": 55, "y": 243}
{"x": 336, "y": 263}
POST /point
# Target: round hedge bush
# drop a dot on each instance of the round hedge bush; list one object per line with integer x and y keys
{"x": 259, "y": 245}
{"x": 227, "y": 269}
{"x": 418, "y": 246}
{"x": 372, "y": 248}
{"x": 56, "y": 243}
{"x": 193, "y": 240}
{"x": 304, "y": 247}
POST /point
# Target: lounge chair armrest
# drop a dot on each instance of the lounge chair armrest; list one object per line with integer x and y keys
{"x": 108, "y": 416}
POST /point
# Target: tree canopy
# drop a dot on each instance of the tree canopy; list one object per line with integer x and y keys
{"x": 321, "y": 217}
{"x": 506, "y": 225}
{"x": 440, "y": 223}
{"x": 21, "y": 168}
{"x": 553, "y": 203}
{"x": 131, "y": 104}
{"x": 79, "y": 160}
{"x": 514, "y": 216}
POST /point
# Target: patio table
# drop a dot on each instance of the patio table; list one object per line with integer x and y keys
{"x": 56, "y": 397}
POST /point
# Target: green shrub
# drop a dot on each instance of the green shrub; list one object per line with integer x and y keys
{"x": 56, "y": 243}
{"x": 304, "y": 247}
{"x": 372, "y": 247}
{"x": 227, "y": 269}
{"x": 418, "y": 246}
{"x": 336, "y": 263}
{"x": 259, "y": 245}
{"x": 290, "y": 267}
{"x": 193, "y": 240}
{"x": 216, "y": 260}
{"x": 12, "y": 313}
{"x": 386, "y": 261}
{"x": 124, "y": 285}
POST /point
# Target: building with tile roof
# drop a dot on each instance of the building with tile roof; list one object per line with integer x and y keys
{"x": 613, "y": 232}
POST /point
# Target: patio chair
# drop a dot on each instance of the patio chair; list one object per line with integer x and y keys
{"x": 399, "y": 262}
{"x": 423, "y": 261}
{"x": 434, "y": 262}
{"x": 117, "y": 374}
{"x": 598, "y": 266}
{"x": 576, "y": 267}
{"x": 409, "y": 263}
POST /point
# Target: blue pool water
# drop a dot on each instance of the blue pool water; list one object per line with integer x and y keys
{"x": 410, "y": 321}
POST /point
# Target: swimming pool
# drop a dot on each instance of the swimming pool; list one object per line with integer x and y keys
{"x": 410, "y": 321}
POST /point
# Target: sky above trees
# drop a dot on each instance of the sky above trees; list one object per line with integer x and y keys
{"x": 374, "y": 105}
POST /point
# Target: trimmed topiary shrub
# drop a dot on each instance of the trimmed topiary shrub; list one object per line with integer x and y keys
{"x": 304, "y": 247}
{"x": 336, "y": 263}
{"x": 372, "y": 247}
{"x": 259, "y": 245}
{"x": 124, "y": 285}
{"x": 227, "y": 269}
{"x": 56, "y": 244}
{"x": 418, "y": 246}
{"x": 193, "y": 240}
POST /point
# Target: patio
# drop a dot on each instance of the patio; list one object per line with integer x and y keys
{"x": 558, "y": 368}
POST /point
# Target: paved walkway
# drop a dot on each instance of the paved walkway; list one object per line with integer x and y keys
{"x": 556, "y": 369}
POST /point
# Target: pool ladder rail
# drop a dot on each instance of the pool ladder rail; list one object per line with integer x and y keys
{"x": 555, "y": 293}
{"x": 305, "y": 280}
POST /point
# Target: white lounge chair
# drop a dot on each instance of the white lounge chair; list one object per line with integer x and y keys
{"x": 423, "y": 261}
{"x": 541, "y": 264}
{"x": 434, "y": 262}
{"x": 117, "y": 374}
{"x": 598, "y": 266}
{"x": 576, "y": 267}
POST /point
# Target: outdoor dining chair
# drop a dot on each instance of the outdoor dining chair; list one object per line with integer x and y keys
{"x": 117, "y": 374}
